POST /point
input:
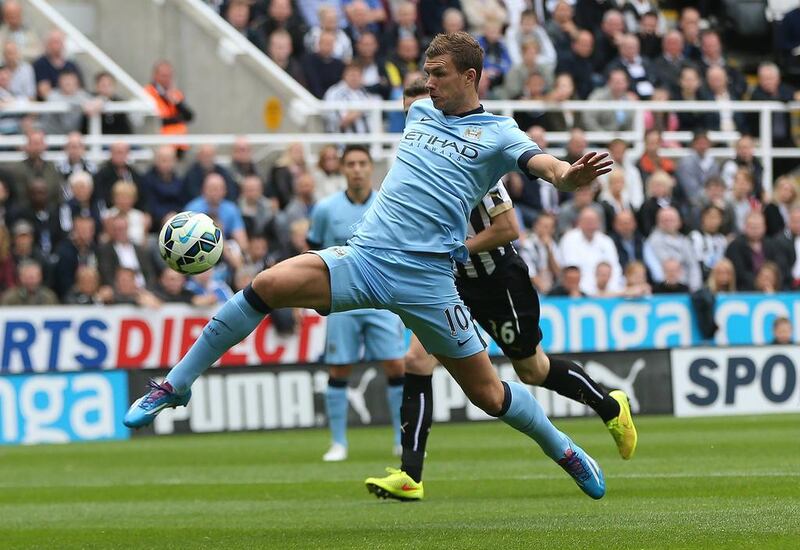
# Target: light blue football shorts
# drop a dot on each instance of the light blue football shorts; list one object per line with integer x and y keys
{"x": 364, "y": 334}
{"x": 418, "y": 287}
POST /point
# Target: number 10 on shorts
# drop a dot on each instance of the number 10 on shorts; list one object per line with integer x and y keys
{"x": 456, "y": 316}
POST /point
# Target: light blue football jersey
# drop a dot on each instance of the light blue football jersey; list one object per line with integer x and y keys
{"x": 444, "y": 165}
{"x": 335, "y": 218}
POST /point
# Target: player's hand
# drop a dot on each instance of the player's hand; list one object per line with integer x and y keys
{"x": 584, "y": 171}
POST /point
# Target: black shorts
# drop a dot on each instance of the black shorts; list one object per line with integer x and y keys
{"x": 506, "y": 305}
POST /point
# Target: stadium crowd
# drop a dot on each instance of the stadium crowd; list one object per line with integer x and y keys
{"x": 78, "y": 233}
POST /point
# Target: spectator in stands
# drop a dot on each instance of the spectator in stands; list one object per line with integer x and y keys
{"x": 651, "y": 161}
{"x": 163, "y": 187}
{"x": 628, "y": 241}
{"x": 205, "y": 163}
{"x": 689, "y": 25}
{"x": 171, "y": 104}
{"x": 374, "y": 70}
{"x": 751, "y": 250}
{"x": 75, "y": 159}
{"x": 171, "y": 288}
{"x": 105, "y": 90}
{"x": 667, "y": 67}
{"x": 614, "y": 196}
{"x": 7, "y": 265}
{"x": 80, "y": 250}
{"x": 280, "y": 184}
{"x": 667, "y": 243}
{"x": 636, "y": 285}
{"x": 616, "y": 89}
{"x": 770, "y": 88}
{"x": 570, "y": 284}
{"x": 322, "y": 70}
{"x": 127, "y": 289}
{"x": 723, "y": 277}
{"x": 81, "y": 203}
{"x": 673, "y": 278}
{"x": 207, "y": 290}
{"x": 528, "y": 30}
{"x": 782, "y": 331}
{"x": 562, "y": 28}
{"x": 10, "y": 124}
{"x": 43, "y": 214}
{"x": 242, "y": 164}
{"x": 86, "y": 289}
{"x": 742, "y": 198}
{"x": 659, "y": 195}
{"x": 690, "y": 89}
{"x": 258, "y": 212}
{"x": 300, "y": 207}
{"x": 452, "y": 20}
{"x": 790, "y": 241}
{"x": 517, "y": 77}
{"x": 237, "y": 15}
{"x": 326, "y": 173}
{"x": 661, "y": 120}
{"x": 635, "y": 10}
{"x": 649, "y": 33}
{"x": 124, "y": 197}
{"x": 118, "y": 168}
{"x": 32, "y": 167}
{"x": 576, "y": 145}
{"x": 398, "y": 66}
{"x": 714, "y": 195}
{"x": 534, "y": 89}
{"x": 711, "y": 55}
{"x": 52, "y": 63}
{"x": 602, "y": 277}
{"x": 541, "y": 253}
{"x": 695, "y": 169}
{"x": 721, "y": 92}
{"x": 342, "y": 47}
{"x": 586, "y": 246}
{"x": 607, "y": 39}
{"x": 24, "y": 247}
{"x": 5, "y": 195}
{"x": 281, "y": 16}
{"x": 768, "y": 279}
{"x": 23, "y": 79}
{"x": 279, "y": 49}
{"x": 78, "y": 100}
{"x": 563, "y": 119}
{"x": 745, "y": 158}
{"x": 14, "y": 30}
{"x": 776, "y": 213}
{"x": 477, "y": 12}
{"x": 496, "y": 60}
{"x": 119, "y": 251}
{"x": 633, "y": 186}
{"x": 405, "y": 24}
{"x": 30, "y": 291}
{"x": 577, "y": 62}
{"x": 213, "y": 202}
{"x": 641, "y": 75}
{"x": 360, "y": 20}
{"x": 350, "y": 90}
{"x": 709, "y": 242}
{"x": 570, "y": 210}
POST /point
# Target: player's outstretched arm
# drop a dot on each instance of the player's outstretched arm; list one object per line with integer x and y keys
{"x": 568, "y": 177}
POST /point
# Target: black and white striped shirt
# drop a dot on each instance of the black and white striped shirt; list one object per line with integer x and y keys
{"x": 484, "y": 264}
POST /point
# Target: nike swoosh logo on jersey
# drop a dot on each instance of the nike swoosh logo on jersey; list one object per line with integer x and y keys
{"x": 460, "y": 343}
{"x": 425, "y": 118}
{"x": 184, "y": 238}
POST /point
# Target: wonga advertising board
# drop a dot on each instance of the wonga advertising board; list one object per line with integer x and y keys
{"x": 736, "y": 380}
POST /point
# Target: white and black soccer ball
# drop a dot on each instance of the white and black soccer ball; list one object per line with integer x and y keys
{"x": 190, "y": 243}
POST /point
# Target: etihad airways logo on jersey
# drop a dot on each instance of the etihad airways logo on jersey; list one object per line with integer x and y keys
{"x": 435, "y": 144}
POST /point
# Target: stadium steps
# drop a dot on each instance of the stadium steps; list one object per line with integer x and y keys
{"x": 227, "y": 81}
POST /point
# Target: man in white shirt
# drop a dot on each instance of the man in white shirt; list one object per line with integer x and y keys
{"x": 349, "y": 89}
{"x": 585, "y": 247}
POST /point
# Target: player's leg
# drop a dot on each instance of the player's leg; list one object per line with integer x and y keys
{"x": 416, "y": 417}
{"x": 384, "y": 341}
{"x": 302, "y": 281}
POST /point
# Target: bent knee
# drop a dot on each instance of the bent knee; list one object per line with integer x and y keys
{"x": 489, "y": 400}
{"x": 532, "y": 370}
{"x": 420, "y": 364}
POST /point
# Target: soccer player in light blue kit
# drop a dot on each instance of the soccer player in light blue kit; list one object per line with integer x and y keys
{"x": 400, "y": 257}
{"x": 380, "y": 332}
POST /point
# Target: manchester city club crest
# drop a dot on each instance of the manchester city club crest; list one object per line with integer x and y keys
{"x": 340, "y": 251}
{"x": 473, "y": 132}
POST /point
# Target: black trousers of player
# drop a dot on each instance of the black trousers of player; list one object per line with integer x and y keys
{"x": 506, "y": 305}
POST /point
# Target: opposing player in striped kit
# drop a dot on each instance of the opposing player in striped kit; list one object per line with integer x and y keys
{"x": 494, "y": 284}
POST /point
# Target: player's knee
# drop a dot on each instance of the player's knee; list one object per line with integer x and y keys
{"x": 532, "y": 370}
{"x": 489, "y": 399}
{"x": 394, "y": 368}
{"x": 264, "y": 284}
{"x": 420, "y": 364}
{"x": 340, "y": 372}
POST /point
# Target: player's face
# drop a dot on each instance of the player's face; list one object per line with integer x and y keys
{"x": 446, "y": 85}
{"x": 357, "y": 169}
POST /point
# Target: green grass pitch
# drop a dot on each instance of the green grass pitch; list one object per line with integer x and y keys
{"x": 694, "y": 483}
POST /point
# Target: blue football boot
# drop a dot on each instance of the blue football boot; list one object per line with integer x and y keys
{"x": 584, "y": 470}
{"x": 145, "y": 409}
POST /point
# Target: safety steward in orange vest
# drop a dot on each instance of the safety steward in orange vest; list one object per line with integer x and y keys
{"x": 172, "y": 108}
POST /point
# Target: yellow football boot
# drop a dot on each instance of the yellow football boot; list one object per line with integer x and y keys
{"x": 622, "y": 429}
{"x": 398, "y": 485}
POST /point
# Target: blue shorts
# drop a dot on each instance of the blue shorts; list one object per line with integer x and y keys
{"x": 419, "y": 287}
{"x": 364, "y": 334}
